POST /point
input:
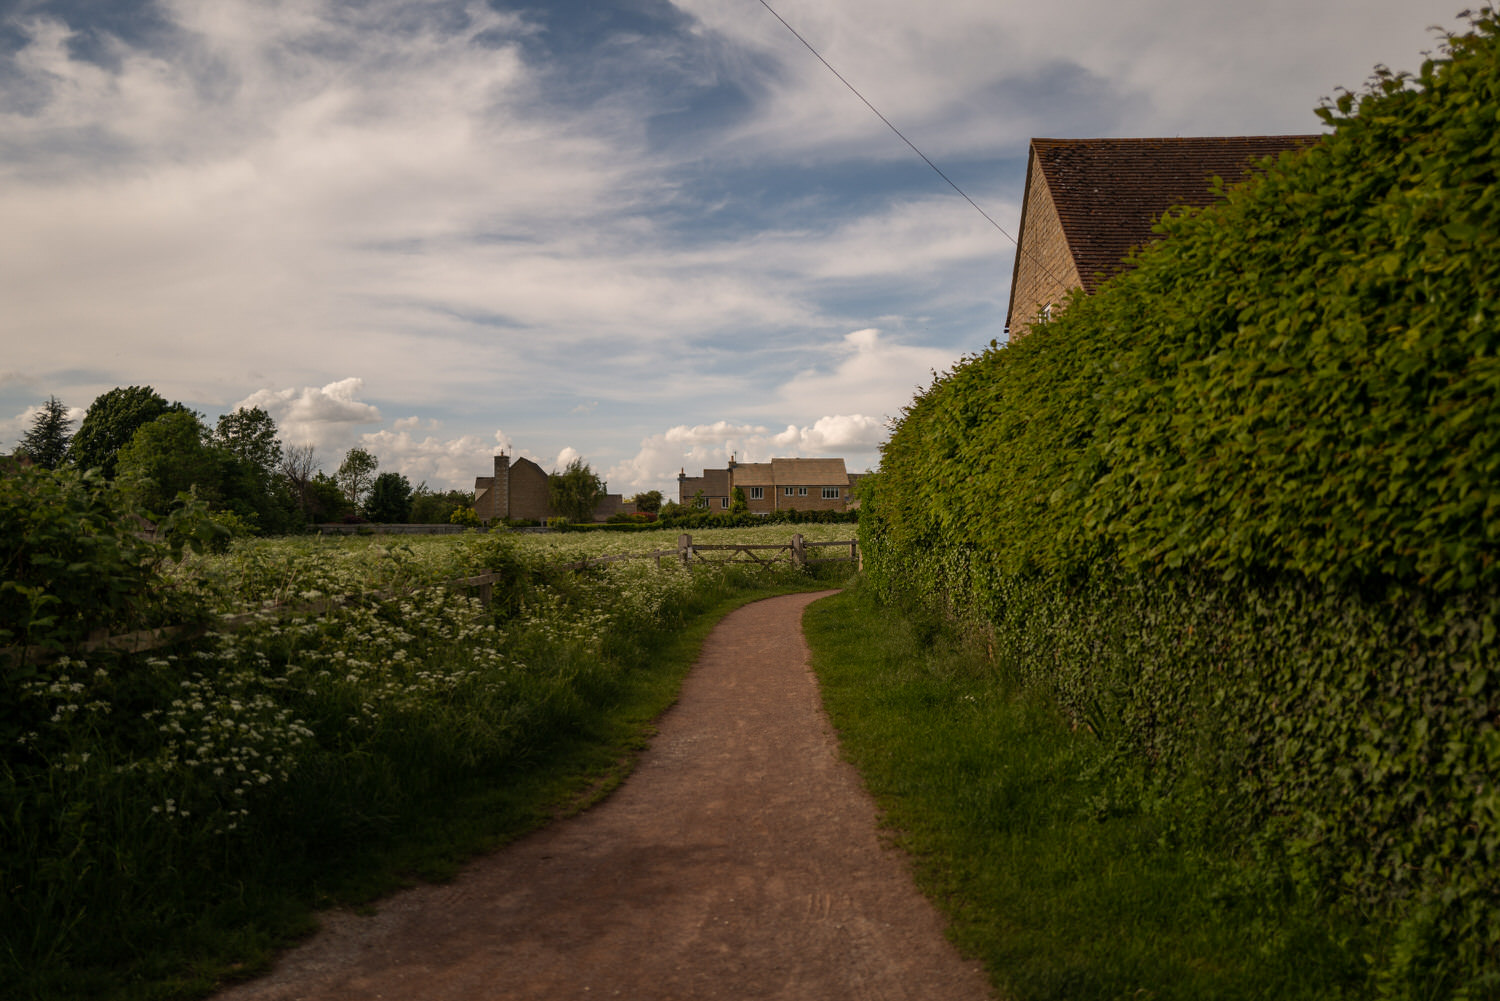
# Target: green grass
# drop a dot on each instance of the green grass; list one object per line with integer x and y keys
{"x": 1065, "y": 879}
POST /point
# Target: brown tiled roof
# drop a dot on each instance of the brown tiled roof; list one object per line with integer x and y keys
{"x": 1109, "y": 192}
{"x": 753, "y": 474}
{"x": 810, "y": 472}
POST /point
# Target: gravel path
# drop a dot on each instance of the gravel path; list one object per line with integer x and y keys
{"x": 741, "y": 860}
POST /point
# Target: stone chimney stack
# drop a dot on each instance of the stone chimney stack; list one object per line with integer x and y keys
{"x": 502, "y": 486}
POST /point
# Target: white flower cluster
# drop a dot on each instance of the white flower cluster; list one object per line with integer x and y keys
{"x": 401, "y": 655}
{"x": 211, "y": 732}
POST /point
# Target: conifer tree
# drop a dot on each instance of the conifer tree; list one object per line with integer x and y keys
{"x": 46, "y": 444}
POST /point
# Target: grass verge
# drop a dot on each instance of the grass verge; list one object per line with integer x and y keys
{"x": 1066, "y": 882}
{"x": 593, "y": 714}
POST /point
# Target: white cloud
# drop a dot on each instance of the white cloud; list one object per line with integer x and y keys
{"x": 868, "y": 372}
{"x": 566, "y": 456}
{"x": 441, "y": 463}
{"x": 969, "y": 74}
{"x": 839, "y": 433}
{"x": 271, "y": 193}
{"x": 325, "y": 417}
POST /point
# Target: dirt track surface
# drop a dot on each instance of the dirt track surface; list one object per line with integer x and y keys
{"x": 741, "y": 859}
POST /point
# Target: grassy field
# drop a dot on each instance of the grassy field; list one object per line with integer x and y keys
{"x": 174, "y": 816}
{"x": 1064, "y": 885}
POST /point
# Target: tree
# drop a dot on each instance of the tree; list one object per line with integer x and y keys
{"x": 575, "y": 492}
{"x": 167, "y": 457}
{"x": 390, "y": 499}
{"x": 299, "y": 464}
{"x": 111, "y": 421}
{"x": 46, "y": 444}
{"x": 648, "y": 502}
{"x": 250, "y": 435}
{"x": 738, "y": 502}
{"x": 356, "y": 474}
{"x": 326, "y": 501}
{"x": 466, "y": 516}
{"x": 250, "y": 454}
{"x": 431, "y": 508}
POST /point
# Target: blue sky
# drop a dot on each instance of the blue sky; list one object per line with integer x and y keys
{"x": 646, "y": 233}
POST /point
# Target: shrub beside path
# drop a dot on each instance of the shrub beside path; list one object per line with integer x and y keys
{"x": 741, "y": 859}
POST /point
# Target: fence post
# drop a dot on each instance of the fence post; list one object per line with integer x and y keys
{"x": 799, "y": 552}
{"x": 684, "y": 548}
{"x": 487, "y": 593}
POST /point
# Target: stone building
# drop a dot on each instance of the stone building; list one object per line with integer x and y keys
{"x": 1089, "y": 202}
{"x": 778, "y": 485}
{"x": 519, "y": 490}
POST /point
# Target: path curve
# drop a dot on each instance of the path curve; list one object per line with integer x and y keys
{"x": 741, "y": 860}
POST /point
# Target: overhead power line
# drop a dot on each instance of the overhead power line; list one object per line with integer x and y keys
{"x": 888, "y": 124}
{"x": 855, "y": 91}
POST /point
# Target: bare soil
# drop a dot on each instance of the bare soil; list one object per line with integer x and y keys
{"x": 742, "y": 859}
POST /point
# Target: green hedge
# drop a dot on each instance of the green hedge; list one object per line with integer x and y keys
{"x": 1240, "y": 511}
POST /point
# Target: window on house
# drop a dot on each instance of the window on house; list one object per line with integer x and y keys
{"x": 830, "y": 493}
{"x": 801, "y": 491}
{"x": 757, "y": 493}
{"x": 723, "y": 501}
{"x": 788, "y": 491}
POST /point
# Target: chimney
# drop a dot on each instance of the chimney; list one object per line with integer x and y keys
{"x": 502, "y": 486}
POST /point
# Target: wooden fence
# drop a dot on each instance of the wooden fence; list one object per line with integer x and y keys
{"x": 145, "y": 640}
{"x": 687, "y": 553}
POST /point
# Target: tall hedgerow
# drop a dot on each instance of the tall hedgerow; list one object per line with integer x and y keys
{"x": 1240, "y": 512}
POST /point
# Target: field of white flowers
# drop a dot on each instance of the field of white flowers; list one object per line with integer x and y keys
{"x": 149, "y": 790}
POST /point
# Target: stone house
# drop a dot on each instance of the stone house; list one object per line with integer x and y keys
{"x": 1089, "y": 202}
{"x": 778, "y": 485}
{"x": 519, "y": 490}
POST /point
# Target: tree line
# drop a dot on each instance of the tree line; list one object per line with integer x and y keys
{"x": 163, "y": 453}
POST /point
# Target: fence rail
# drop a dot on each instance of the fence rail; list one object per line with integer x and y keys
{"x": 686, "y": 553}
{"x": 146, "y": 640}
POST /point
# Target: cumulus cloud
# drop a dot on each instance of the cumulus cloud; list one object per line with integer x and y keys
{"x": 865, "y": 371}
{"x": 566, "y": 456}
{"x": 841, "y": 433}
{"x": 323, "y": 416}
{"x": 441, "y": 463}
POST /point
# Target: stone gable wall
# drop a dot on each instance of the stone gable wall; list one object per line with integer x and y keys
{"x": 1042, "y": 258}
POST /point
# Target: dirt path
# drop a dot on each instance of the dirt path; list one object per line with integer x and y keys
{"x": 740, "y": 860}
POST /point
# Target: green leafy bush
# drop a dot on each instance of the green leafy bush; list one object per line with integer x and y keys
{"x": 1239, "y": 512}
{"x": 76, "y": 560}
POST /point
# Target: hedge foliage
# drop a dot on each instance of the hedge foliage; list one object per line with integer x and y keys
{"x": 1240, "y": 512}
{"x": 1302, "y": 377}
